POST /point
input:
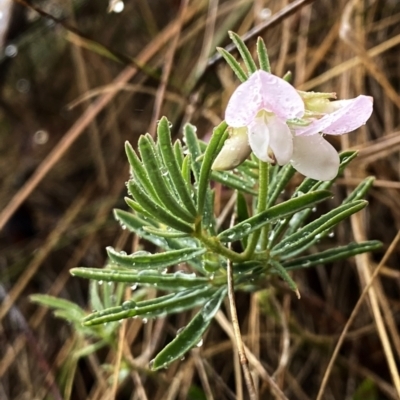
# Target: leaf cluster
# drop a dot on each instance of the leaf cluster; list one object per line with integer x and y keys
{"x": 171, "y": 197}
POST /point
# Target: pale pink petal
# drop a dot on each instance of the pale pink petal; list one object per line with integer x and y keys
{"x": 234, "y": 151}
{"x": 259, "y": 139}
{"x": 350, "y": 116}
{"x": 315, "y": 158}
{"x": 280, "y": 140}
{"x": 245, "y": 103}
{"x": 279, "y": 96}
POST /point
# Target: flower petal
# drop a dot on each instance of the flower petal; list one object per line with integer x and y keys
{"x": 280, "y": 140}
{"x": 234, "y": 151}
{"x": 279, "y": 96}
{"x": 259, "y": 139}
{"x": 271, "y": 140}
{"x": 245, "y": 103}
{"x": 352, "y": 114}
{"x": 314, "y": 157}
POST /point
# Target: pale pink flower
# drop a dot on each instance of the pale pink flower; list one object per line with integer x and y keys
{"x": 270, "y": 109}
{"x": 263, "y": 104}
{"x": 312, "y": 155}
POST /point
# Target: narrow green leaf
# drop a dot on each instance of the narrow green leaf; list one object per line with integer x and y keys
{"x": 242, "y": 212}
{"x": 178, "y": 151}
{"x": 135, "y": 224}
{"x": 142, "y": 260}
{"x": 233, "y": 181}
{"x": 140, "y": 173}
{"x": 244, "y": 52}
{"x": 279, "y": 183}
{"x": 167, "y": 152}
{"x": 154, "y": 209}
{"x": 288, "y": 76}
{"x": 149, "y": 159}
{"x": 218, "y": 135}
{"x": 94, "y": 296}
{"x": 323, "y": 223}
{"x": 263, "y": 55}
{"x": 165, "y": 232}
{"x": 191, "y": 335}
{"x": 186, "y": 169}
{"x": 55, "y": 303}
{"x": 235, "y": 66}
{"x": 360, "y": 191}
{"x": 279, "y": 211}
{"x": 176, "y": 281}
{"x": 193, "y": 146}
{"x": 281, "y": 271}
{"x": 331, "y": 255}
{"x": 164, "y": 305}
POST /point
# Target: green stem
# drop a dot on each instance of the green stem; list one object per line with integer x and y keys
{"x": 213, "y": 244}
{"x": 261, "y": 206}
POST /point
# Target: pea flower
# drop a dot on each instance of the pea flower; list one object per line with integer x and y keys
{"x": 261, "y": 105}
{"x": 312, "y": 155}
{"x": 284, "y": 125}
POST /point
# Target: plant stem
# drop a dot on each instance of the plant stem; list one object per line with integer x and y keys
{"x": 213, "y": 243}
{"x": 261, "y": 206}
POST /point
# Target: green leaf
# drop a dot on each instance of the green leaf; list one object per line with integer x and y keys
{"x": 219, "y": 134}
{"x": 164, "y": 232}
{"x": 178, "y": 151}
{"x": 186, "y": 169}
{"x": 56, "y": 303}
{"x": 193, "y": 146}
{"x": 168, "y": 304}
{"x": 279, "y": 211}
{"x": 244, "y": 52}
{"x": 233, "y": 181}
{"x": 279, "y": 183}
{"x": 309, "y": 232}
{"x": 142, "y": 260}
{"x": 154, "y": 209}
{"x": 242, "y": 213}
{"x": 170, "y": 162}
{"x": 235, "y": 66}
{"x": 191, "y": 335}
{"x": 263, "y": 55}
{"x": 140, "y": 173}
{"x": 331, "y": 255}
{"x": 175, "y": 281}
{"x": 155, "y": 173}
{"x": 135, "y": 224}
{"x": 360, "y": 191}
{"x": 281, "y": 271}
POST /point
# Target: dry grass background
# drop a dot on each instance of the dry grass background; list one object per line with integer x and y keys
{"x": 63, "y": 170}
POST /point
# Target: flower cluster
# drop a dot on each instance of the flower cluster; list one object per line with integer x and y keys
{"x": 282, "y": 125}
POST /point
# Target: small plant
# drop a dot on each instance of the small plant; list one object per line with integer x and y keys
{"x": 172, "y": 201}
